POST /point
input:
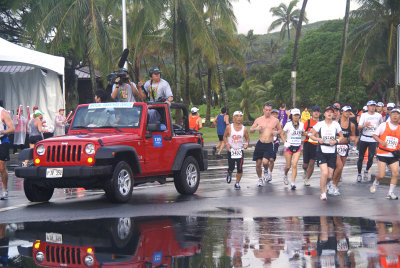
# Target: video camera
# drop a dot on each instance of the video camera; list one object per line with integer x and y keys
{"x": 121, "y": 72}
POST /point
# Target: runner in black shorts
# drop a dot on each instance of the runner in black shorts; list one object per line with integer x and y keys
{"x": 6, "y": 128}
{"x": 268, "y": 172}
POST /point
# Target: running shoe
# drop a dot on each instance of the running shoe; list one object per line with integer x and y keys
{"x": 269, "y": 177}
{"x": 260, "y": 182}
{"x": 219, "y": 156}
{"x": 229, "y": 177}
{"x": 293, "y": 186}
{"x": 359, "y": 178}
{"x": 237, "y": 186}
{"x": 391, "y": 196}
{"x": 265, "y": 177}
{"x": 285, "y": 180}
{"x": 323, "y": 196}
{"x": 330, "y": 189}
{"x": 4, "y": 195}
{"x": 336, "y": 191}
{"x": 304, "y": 175}
{"x": 365, "y": 177}
{"x": 307, "y": 182}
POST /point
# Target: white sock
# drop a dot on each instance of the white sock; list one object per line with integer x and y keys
{"x": 391, "y": 188}
{"x": 376, "y": 182}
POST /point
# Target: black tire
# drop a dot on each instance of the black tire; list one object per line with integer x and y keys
{"x": 119, "y": 188}
{"x": 188, "y": 178}
{"x": 121, "y": 231}
{"x": 36, "y": 193}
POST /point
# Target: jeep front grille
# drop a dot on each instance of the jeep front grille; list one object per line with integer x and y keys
{"x": 64, "y": 153}
{"x": 63, "y": 254}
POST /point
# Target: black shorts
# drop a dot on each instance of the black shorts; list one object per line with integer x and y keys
{"x": 309, "y": 152}
{"x": 387, "y": 160}
{"x": 5, "y": 152}
{"x": 238, "y": 161}
{"x": 35, "y": 139}
{"x": 221, "y": 137}
{"x": 264, "y": 150}
{"x": 276, "y": 146}
{"x": 329, "y": 159}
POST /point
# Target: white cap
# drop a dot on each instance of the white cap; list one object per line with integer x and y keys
{"x": 395, "y": 110}
{"x": 237, "y": 113}
{"x": 391, "y": 105}
{"x": 346, "y": 108}
{"x": 295, "y": 111}
{"x": 194, "y": 110}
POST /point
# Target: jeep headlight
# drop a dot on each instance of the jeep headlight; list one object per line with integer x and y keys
{"x": 40, "y": 149}
{"x": 89, "y": 148}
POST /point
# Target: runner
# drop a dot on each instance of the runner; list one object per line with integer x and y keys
{"x": 388, "y": 135}
{"x": 369, "y": 121}
{"x": 220, "y": 121}
{"x": 6, "y": 128}
{"x": 268, "y": 171}
{"x": 325, "y": 133}
{"x": 390, "y": 106}
{"x": 264, "y": 150}
{"x": 349, "y": 132}
{"x": 195, "y": 121}
{"x": 294, "y": 130}
{"x": 336, "y": 115}
{"x": 310, "y": 146}
{"x": 233, "y": 139}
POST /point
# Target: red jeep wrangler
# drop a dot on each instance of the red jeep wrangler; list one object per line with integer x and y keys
{"x": 115, "y": 146}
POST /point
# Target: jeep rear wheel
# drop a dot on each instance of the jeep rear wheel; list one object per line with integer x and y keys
{"x": 188, "y": 178}
{"x": 36, "y": 193}
{"x": 119, "y": 188}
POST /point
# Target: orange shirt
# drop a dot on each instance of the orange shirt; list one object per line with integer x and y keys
{"x": 193, "y": 122}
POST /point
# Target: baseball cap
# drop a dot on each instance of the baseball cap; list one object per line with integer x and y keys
{"x": 275, "y": 111}
{"x": 316, "y": 108}
{"x": 371, "y": 102}
{"x": 346, "y": 108}
{"x": 194, "y": 110}
{"x": 35, "y": 108}
{"x": 237, "y": 113}
{"x": 335, "y": 108}
{"x": 391, "y": 105}
{"x": 329, "y": 108}
{"x": 397, "y": 110}
{"x": 380, "y": 104}
{"x": 365, "y": 108}
{"x": 295, "y": 111}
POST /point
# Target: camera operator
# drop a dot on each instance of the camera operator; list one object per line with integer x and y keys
{"x": 124, "y": 90}
{"x": 157, "y": 89}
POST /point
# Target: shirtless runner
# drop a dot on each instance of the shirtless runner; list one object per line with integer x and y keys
{"x": 264, "y": 150}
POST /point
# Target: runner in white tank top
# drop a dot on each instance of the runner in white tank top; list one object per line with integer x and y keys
{"x": 6, "y": 127}
{"x": 233, "y": 138}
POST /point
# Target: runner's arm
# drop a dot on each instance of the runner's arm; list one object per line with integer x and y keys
{"x": 381, "y": 142}
{"x": 247, "y": 138}
{"x": 8, "y": 122}
{"x": 254, "y": 127}
{"x": 314, "y": 136}
{"x": 226, "y": 119}
{"x": 226, "y": 135}
{"x": 352, "y": 132}
{"x": 200, "y": 122}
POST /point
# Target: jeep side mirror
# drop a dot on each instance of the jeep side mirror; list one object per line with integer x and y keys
{"x": 151, "y": 128}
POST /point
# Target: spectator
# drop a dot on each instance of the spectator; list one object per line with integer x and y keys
{"x": 305, "y": 115}
{"x": 195, "y": 120}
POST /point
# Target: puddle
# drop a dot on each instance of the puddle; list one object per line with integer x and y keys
{"x": 202, "y": 242}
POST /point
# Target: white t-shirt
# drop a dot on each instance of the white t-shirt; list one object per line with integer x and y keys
{"x": 327, "y": 133}
{"x": 293, "y": 136}
{"x": 379, "y": 131}
{"x": 156, "y": 90}
{"x": 367, "y": 132}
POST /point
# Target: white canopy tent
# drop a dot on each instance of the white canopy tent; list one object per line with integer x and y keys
{"x": 31, "y": 78}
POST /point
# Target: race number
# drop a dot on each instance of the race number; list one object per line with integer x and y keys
{"x": 342, "y": 149}
{"x": 295, "y": 141}
{"x": 391, "y": 142}
{"x": 236, "y": 153}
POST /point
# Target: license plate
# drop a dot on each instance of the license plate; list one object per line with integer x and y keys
{"x": 54, "y": 172}
{"x": 54, "y": 238}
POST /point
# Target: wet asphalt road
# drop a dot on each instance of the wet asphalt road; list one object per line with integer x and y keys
{"x": 214, "y": 198}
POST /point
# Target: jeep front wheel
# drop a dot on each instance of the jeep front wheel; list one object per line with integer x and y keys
{"x": 188, "y": 178}
{"x": 119, "y": 188}
{"x": 36, "y": 193}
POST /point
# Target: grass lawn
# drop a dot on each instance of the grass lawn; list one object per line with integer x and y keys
{"x": 210, "y": 134}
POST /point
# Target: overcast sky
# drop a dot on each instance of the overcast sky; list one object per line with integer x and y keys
{"x": 255, "y": 15}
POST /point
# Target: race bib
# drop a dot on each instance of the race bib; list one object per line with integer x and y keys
{"x": 342, "y": 245}
{"x": 369, "y": 130}
{"x": 236, "y": 153}
{"x": 295, "y": 141}
{"x": 342, "y": 149}
{"x": 391, "y": 142}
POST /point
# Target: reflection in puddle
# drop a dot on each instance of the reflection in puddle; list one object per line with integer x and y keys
{"x": 202, "y": 242}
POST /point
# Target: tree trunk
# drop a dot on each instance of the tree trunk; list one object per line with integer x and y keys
{"x": 296, "y": 43}
{"x": 343, "y": 49}
{"x": 209, "y": 97}
{"x": 90, "y": 95}
{"x": 137, "y": 69}
{"x": 203, "y": 92}
{"x": 187, "y": 69}
{"x": 175, "y": 44}
{"x": 288, "y": 30}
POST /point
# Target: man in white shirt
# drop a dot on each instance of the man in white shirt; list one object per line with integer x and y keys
{"x": 157, "y": 88}
{"x": 368, "y": 123}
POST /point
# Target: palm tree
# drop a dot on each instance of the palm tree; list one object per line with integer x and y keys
{"x": 374, "y": 40}
{"x": 344, "y": 42}
{"x": 248, "y": 45}
{"x": 76, "y": 22}
{"x": 287, "y": 17}
{"x": 296, "y": 43}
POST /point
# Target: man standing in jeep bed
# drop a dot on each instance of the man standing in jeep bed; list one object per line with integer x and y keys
{"x": 116, "y": 153}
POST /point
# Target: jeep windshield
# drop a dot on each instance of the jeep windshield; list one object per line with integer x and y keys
{"x": 108, "y": 115}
